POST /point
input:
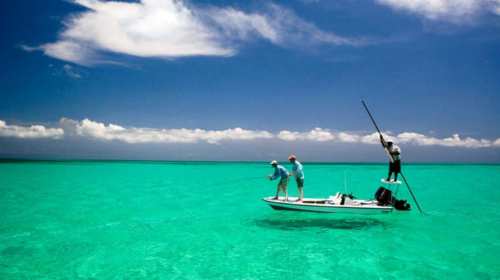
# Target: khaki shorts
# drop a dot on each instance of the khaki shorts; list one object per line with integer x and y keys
{"x": 283, "y": 183}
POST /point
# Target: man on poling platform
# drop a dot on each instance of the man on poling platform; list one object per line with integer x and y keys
{"x": 394, "y": 153}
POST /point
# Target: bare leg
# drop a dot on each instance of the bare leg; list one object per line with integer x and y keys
{"x": 277, "y": 192}
{"x": 301, "y": 194}
{"x": 283, "y": 185}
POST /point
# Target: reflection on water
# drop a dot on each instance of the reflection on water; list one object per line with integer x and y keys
{"x": 336, "y": 223}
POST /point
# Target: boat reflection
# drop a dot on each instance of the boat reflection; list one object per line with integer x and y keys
{"x": 302, "y": 224}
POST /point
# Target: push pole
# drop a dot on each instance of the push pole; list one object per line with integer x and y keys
{"x": 390, "y": 156}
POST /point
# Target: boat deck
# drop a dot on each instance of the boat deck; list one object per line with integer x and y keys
{"x": 323, "y": 205}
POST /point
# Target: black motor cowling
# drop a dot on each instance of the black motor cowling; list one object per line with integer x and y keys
{"x": 384, "y": 197}
{"x": 401, "y": 205}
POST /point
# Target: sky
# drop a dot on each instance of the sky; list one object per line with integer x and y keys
{"x": 250, "y": 80}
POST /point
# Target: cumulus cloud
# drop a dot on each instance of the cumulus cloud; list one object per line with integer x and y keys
{"x": 326, "y": 135}
{"x": 29, "y": 132}
{"x": 412, "y": 138}
{"x": 454, "y": 141}
{"x": 174, "y": 28}
{"x": 317, "y": 134}
{"x": 90, "y": 129}
{"x": 497, "y": 143}
{"x": 456, "y": 11}
{"x": 134, "y": 135}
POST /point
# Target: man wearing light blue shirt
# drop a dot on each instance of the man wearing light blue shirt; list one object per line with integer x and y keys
{"x": 281, "y": 173}
{"x": 298, "y": 173}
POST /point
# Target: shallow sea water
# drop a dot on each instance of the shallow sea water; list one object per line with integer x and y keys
{"x": 167, "y": 220}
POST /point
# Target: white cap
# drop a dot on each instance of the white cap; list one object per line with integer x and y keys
{"x": 273, "y": 162}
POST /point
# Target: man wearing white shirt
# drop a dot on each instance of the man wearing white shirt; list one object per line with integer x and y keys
{"x": 394, "y": 153}
{"x": 298, "y": 172}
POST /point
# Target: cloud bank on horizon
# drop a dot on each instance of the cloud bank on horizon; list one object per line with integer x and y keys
{"x": 29, "y": 132}
{"x": 135, "y": 135}
{"x": 172, "y": 29}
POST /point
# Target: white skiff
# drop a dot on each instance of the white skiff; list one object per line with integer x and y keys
{"x": 333, "y": 204}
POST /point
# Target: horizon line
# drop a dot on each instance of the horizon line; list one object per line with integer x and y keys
{"x": 7, "y": 160}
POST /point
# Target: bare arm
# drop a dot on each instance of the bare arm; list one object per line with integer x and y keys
{"x": 386, "y": 149}
{"x": 389, "y": 154}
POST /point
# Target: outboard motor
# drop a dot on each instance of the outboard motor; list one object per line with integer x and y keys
{"x": 401, "y": 205}
{"x": 384, "y": 197}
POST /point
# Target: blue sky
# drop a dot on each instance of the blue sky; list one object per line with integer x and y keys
{"x": 177, "y": 79}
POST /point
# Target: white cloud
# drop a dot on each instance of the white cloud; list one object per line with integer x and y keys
{"x": 173, "y": 28}
{"x": 31, "y": 132}
{"x": 454, "y": 141}
{"x": 238, "y": 24}
{"x": 71, "y": 72}
{"x": 456, "y": 11}
{"x": 317, "y": 134}
{"x": 496, "y": 7}
{"x": 279, "y": 25}
{"x": 287, "y": 135}
{"x": 70, "y": 51}
{"x": 412, "y": 138}
{"x": 150, "y": 28}
{"x": 373, "y": 138}
{"x": 347, "y": 137}
{"x": 28, "y": 48}
{"x": 497, "y": 143}
{"x": 133, "y": 135}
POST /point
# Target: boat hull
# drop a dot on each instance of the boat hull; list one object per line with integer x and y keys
{"x": 319, "y": 206}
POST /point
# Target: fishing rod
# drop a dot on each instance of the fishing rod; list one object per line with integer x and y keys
{"x": 238, "y": 180}
{"x": 390, "y": 156}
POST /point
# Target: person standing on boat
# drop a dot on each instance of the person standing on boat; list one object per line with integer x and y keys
{"x": 298, "y": 173}
{"x": 281, "y": 173}
{"x": 394, "y": 153}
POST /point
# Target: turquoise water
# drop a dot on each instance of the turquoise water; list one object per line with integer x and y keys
{"x": 153, "y": 220}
